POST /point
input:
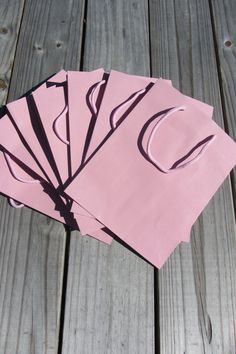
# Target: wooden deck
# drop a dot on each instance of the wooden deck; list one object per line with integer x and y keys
{"x": 63, "y": 293}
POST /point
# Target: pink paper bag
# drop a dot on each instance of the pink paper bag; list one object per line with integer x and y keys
{"x": 123, "y": 92}
{"x": 19, "y": 185}
{"x": 156, "y": 173}
{"x": 25, "y": 119}
{"x": 30, "y": 191}
{"x": 10, "y": 142}
{"x": 84, "y": 89}
{"x": 83, "y": 92}
{"x": 48, "y": 113}
{"x": 49, "y": 116}
{"x": 129, "y": 90}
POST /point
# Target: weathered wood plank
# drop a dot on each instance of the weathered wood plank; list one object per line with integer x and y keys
{"x": 117, "y": 36}
{"x": 197, "y": 286}
{"x": 109, "y": 306}
{"x": 10, "y": 15}
{"x": 109, "y": 303}
{"x": 32, "y": 246}
{"x": 31, "y": 254}
{"x": 51, "y": 39}
{"x": 224, "y": 20}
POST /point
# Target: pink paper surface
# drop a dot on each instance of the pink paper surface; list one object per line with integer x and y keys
{"x": 23, "y": 119}
{"x": 101, "y": 236}
{"x": 32, "y": 195}
{"x": 79, "y": 87}
{"x": 35, "y": 197}
{"x": 119, "y": 88}
{"x": 150, "y": 210}
{"x": 48, "y": 113}
{"x": 19, "y": 109}
{"x": 15, "y": 144}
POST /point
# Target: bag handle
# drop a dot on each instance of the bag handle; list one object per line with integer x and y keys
{"x": 92, "y": 99}
{"x": 113, "y": 118}
{"x": 204, "y": 144}
{"x": 15, "y": 204}
{"x": 56, "y": 126}
{"x": 13, "y": 171}
{"x": 11, "y": 201}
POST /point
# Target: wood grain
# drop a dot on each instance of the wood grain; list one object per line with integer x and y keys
{"x": 223, "y": 21}
{"x": 32, "y": 245}
{"x": 197, "y": 286}
{"x": 117, "y": 36}
{"x": 109, "y": 304}
{"x": 51, "y": 39}
{"x": 31, "y": 266}
{"x": 10, "y": 15}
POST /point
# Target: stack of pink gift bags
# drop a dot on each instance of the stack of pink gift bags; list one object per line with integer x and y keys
{"x": 114, "y": 154}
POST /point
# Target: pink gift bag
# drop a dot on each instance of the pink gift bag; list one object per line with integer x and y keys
{"x": 26, "y": 121}
{"x": 84, "y": 92}
{"x": 39, "y": 163}
{"x": 84, "y": 89}
{"x": 156, "y": 173}
{"x": 13, "y": 146}
{"x": 55, "y": 133}
{"x": 66, "y": 145}
{"x": 123, "y": 92}
{"x": 129, "y": 89}
{"x": 14, "y": 143}
{"x": 20, "y": 183}
{"x": 30, "y": 192}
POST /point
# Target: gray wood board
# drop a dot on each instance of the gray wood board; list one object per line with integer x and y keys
{"x": 223, "y": 21}
{"x": 31, "y": 266}
{"x": 32, "y": 245}
{"x": 10, "y": 14}
{"x": 197, "y": 286}
{"x": 110, "y": 302}
{"x": 50, "y": 39}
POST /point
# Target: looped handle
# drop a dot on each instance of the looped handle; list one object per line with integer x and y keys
{"x": 180, "y": 163}
{"x": 56, "y": 126}
{"x": 92, "y": 95}
{"x": 13, "y": 172}
{"x": 113, "y": 120}
{"x": 15, "y": 204}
